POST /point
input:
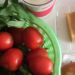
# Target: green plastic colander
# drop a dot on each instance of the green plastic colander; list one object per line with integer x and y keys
{"x": 50, "y": 42}
{"x": 50, "y": 39}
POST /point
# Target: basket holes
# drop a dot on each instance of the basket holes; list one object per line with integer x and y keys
{"x": 35, "y": 26}
{"x": 51, "y": 56}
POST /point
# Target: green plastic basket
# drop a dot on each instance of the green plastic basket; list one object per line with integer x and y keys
{"x": 50, "y": 41}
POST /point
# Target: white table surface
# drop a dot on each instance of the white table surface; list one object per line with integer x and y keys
{"x": 57, "y": 20}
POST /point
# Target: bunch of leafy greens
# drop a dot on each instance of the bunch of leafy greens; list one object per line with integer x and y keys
{"x": 13, "y": 14}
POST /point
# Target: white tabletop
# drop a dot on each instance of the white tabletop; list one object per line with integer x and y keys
{"x": 57, "y": 20}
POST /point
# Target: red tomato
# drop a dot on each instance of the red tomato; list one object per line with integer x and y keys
{"x": 6, "y": 41}
{"x": 40, "y": 65}
{"x": 17, "y": 34}
{"x": 12, "y": 59}
{"x": 44, "y": 74}
{"x": 38, "y": 52}
{"x": 32, "y": 38}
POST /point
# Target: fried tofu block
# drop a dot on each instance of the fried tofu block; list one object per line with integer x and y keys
{"x": 71, "y": 25}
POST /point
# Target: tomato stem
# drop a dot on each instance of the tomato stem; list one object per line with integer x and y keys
{"x": 24, "y": 71}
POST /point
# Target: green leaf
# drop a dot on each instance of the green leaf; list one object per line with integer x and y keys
{"x": 14, "y": 1}
{"x": 4, "y": 12}
{"x": 25, "y": 71}
{"x": 4, "y": 5}
{"x": 4, "y": 18}
{"x": 16, "y": 23}
{"x": 21, "y": 11}
{"x": 9, "y": 11}
{"x": 2, "y": 24}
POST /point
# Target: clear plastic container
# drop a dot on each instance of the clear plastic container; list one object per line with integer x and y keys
{"x": 40, "y": 9}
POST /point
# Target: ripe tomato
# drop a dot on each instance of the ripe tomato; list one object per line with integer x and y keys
{"x": 12, "y": 59}
{"x": 6, "y": 41}
{"x": 39, "y": 65}
{"x": 16, "y": 33}
{"x": 32, "y": 38}
{"x": 38, "y": 52}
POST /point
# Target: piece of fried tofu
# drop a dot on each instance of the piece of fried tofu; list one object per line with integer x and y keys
{"x": 71, "y": 25}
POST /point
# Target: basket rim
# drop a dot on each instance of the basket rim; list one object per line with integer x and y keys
{"x": 55, "y": 42}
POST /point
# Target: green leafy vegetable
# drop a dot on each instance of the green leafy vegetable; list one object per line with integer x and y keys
{"x": 14, "y": 1}
{"x": 14, "y": 14}
{"x": 5, "y": 4}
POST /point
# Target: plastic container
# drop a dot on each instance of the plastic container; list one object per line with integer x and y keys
{"x": 41, "y": 9}
{"x": 50, "y": 42}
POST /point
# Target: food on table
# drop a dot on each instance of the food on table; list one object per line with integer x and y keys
{"x": 40, "y": 65}
{"x": 12, "y": 59}
{"x": 32, "y": 38}
{"x": 36, "y": 58}
{"x": 6, "y": 41}
{"x": 16, "y": 34}
{"x": 71, "y": 25}
{"x": 36, "y": 61}
{"x": 68, "y": 69}
{"x": 38, "y": 52}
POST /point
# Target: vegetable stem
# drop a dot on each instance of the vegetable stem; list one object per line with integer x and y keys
{"x": 24, "y": 71}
